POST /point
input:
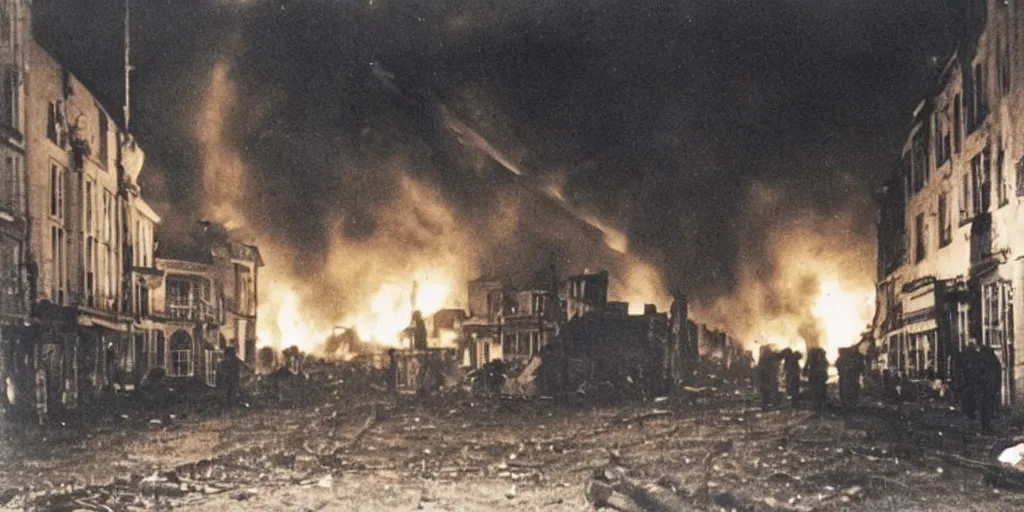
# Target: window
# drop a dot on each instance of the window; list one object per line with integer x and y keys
{"x": 90, "y": 271}
{"x": 965, "y": 199}
{"x": 108, "y": 216}
{"x": 111, "y": 270}
{"x": 57, "y": 188}
{"x": 986, "y": 180}
{"x": 1004, "y": 67}
{"x": 10, "y": 108}
{"x": 538, "y": 306}
{"x": 981, "y": 193}
{"x": 213, "y": 358}
{"x": 89, "y": 193}
{"x": 977, "y": 100}
{"x": 945, "y": 223}
{"x": 55, "y": 123}
{"x": 942, "y": 144}
{"x": 161, "y": 349}
{"x": 10, "y": 277}
{"x": 143, "y": 295}
{"x": 137, "y": 253}
{"x": 181, "y": 355}
{"x": 139, "y": 350}
{"x": 997, "y": 314}
{"x": 12, "y": 190}
{"x": 1001, "y": 196}
{"x": 919, "y": 160}
{"x": 181, "y": 363}
{"x": 1020, "y": 177}
{"x": 57, "y": 264}
{"x": 103, "y": 150}
{"x": 958, "y": 124}
{"x": 920, "y": 251}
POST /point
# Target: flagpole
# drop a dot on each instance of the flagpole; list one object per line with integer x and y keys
{"x": 127, "y": 63}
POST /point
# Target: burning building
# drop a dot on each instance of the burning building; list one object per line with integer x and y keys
{"x": 949, "y": 244}
{"x": 508, "y": 323}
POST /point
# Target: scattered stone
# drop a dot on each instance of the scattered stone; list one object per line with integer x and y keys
{"x": 244, "y": 494}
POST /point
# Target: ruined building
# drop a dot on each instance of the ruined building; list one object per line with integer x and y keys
{"x": 507, "y": 322}
{"x": 949, "y": 228}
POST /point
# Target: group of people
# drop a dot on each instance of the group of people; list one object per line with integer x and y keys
{"x": 975, "y": 375}
{"x": 850, "y": 365}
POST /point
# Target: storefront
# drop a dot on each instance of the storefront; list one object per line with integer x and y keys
{"x": 919, "y": 355}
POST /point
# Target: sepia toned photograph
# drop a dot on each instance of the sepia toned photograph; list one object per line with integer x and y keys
{"x": 511, "y": 255}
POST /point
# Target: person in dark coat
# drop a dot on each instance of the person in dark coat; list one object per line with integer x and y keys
{"x": 850, "y": 366}
{"x": 392, "y": 375}
{"x": 791, "y": 364}
{"x": 746, "y": 368}
{"x": 419, "y": 331}
{"x": 229, "y": 373}
{"x": 971, "y": 375}
{"x": 956, "y": 374}
{"x": 816, "y": 369}
{"x": 989, "y": 386}
{"x": 768, "y": 376}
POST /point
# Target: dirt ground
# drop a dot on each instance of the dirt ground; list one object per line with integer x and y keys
{"x": 341, "y": 450}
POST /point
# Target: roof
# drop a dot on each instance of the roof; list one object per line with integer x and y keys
{"x": 181, "y": 246}
{"x": 145, "y": 209}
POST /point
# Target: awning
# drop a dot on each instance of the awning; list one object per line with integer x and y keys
{"x": 920, "y": 300}
{"x": 924, "y": 326}
{"x": 86, "y": 321}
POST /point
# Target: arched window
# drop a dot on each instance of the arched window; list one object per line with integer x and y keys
{"x": 181, "y": 354}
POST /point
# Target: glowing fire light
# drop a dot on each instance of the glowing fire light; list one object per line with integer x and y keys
{"x": 390, "y": 310}
{"x": 843, "y": 315}
{"x": 289, "y": 327}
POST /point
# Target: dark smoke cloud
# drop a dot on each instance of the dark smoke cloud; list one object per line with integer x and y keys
{"x": 660, "y": 116}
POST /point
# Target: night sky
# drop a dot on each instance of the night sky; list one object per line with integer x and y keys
{"x": 659, "y": 116}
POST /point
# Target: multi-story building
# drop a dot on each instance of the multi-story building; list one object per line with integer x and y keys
{"x": 236, "y": 267}
{"x": 15, "y": 336}
{"x": 85, "y": 306}
{"x": 585, "y": 293}
{"x": 508, "y": 323}
{"x": 949, "y": 248}
{"x": 202, "y": 300}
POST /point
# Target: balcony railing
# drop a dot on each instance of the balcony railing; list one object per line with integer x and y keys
{"x": 182, "y": 309}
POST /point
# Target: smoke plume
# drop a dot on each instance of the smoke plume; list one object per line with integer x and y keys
{"x": 809, "y": 284}
{"x": 732, "y": 144}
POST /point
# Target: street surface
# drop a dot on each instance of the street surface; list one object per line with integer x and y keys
{"x": 321, "y": 446}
